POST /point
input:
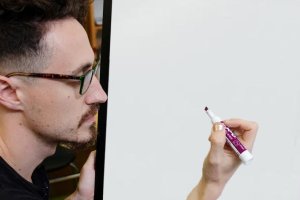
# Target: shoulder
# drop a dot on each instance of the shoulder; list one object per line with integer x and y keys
{"x": 14, "y": 187}
{"x": 12, "y": 194}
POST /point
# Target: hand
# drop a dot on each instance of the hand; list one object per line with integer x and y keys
{"x": 221, "y": 161}
{"x": 86, "y": 184}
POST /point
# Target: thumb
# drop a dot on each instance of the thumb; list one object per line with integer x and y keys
{"x": 217, "y": 140}
{"x": 90, "y": 163}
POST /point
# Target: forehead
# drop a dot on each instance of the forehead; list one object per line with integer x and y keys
{"x": 69, "y": 46}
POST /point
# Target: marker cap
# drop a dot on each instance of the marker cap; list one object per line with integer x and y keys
{"x": 246, "y": 157}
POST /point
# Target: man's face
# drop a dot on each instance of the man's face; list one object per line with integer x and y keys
{"x": 54, "y": 109}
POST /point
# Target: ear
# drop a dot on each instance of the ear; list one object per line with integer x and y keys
{"x": 8, "y": 94}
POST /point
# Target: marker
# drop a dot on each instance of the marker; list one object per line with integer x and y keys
{"x": 231, "y": 139}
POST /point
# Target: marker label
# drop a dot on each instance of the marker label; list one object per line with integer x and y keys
{"x": 234, "y": 141}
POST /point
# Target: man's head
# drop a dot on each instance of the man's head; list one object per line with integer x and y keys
{"x": 22, "y": 27}
{"x": 45, "y": 36}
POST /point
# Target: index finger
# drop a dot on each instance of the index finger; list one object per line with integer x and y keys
{"x": 241, "y": 124}
{"x": 248, "y": 130}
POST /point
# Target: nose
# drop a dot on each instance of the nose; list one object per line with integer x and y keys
{"x": 95, "y": 94}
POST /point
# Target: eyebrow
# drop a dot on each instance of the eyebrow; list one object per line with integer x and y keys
{"x": 82, "y": 68}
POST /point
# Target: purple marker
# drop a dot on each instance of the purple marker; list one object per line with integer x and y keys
{"x": 232, "y": 139}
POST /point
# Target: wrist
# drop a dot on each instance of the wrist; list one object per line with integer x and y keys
{"x": 207, "y": 190}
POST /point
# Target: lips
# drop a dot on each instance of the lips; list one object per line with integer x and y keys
{"x": 89, "y": 117}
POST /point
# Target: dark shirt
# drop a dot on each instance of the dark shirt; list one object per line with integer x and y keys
{"x": 15, "y": 187}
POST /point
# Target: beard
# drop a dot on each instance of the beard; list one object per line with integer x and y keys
{"x": 92, "y": 129}
{"x": 85, "y": 144}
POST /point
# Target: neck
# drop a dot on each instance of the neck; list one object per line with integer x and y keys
{"x": 21, "y": 148}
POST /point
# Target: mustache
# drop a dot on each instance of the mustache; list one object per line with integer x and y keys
{"x": 91, "y": 112}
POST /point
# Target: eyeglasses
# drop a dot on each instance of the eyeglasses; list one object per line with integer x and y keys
{"x": 85, "y": 79}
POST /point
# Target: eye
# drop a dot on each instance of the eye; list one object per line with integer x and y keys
{"x": 84, "y": 71}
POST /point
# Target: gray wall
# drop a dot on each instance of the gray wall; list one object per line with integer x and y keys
{"x": 170, "y": 59}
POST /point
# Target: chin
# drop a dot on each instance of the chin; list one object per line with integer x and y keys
{"x": 78, "y": 145}
{"x": 85, "y": 139}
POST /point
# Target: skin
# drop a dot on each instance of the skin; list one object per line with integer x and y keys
{"x": 219, "y": 165}
{"x": 221, "y": 161}
{"x": 46, "y": 112}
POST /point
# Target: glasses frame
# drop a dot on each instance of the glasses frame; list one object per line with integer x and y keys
{"x": 62, "y": 76}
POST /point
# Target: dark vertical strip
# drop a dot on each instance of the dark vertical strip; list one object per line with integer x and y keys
{"x": 102, "y": 115}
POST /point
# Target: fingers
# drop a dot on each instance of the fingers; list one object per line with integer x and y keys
{"x": 242, "y": 124}
{"x": 217, "y": 139}
{"x": 217, "y": 136}
{"x": 86, "y": 184}
{"x": 246, "y": 129}
{"x": 90, "y": 163}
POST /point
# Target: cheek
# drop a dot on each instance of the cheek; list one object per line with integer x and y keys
{"x": 64, "y": 108}
{"x": 53, "y": 109}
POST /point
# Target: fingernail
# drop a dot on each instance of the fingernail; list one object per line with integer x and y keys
{"x": 218, "y": 127}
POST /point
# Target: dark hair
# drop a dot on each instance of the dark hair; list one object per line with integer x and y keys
{"x": 23, "y": 24}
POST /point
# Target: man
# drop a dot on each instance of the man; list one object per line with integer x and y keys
{"x": 37, "y": 111}
{"x": 49, "y": 94}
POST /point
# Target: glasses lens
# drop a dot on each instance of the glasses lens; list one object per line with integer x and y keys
{"x": 87, "y": 81}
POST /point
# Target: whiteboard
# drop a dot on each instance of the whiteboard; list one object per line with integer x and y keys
{"x": 171, "y": 58}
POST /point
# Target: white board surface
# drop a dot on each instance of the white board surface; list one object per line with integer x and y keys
{"x": 171, "y": 58}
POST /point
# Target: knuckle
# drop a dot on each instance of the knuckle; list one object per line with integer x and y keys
{"x": 255, "y": 125}
{"x": 214, "y": 162}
